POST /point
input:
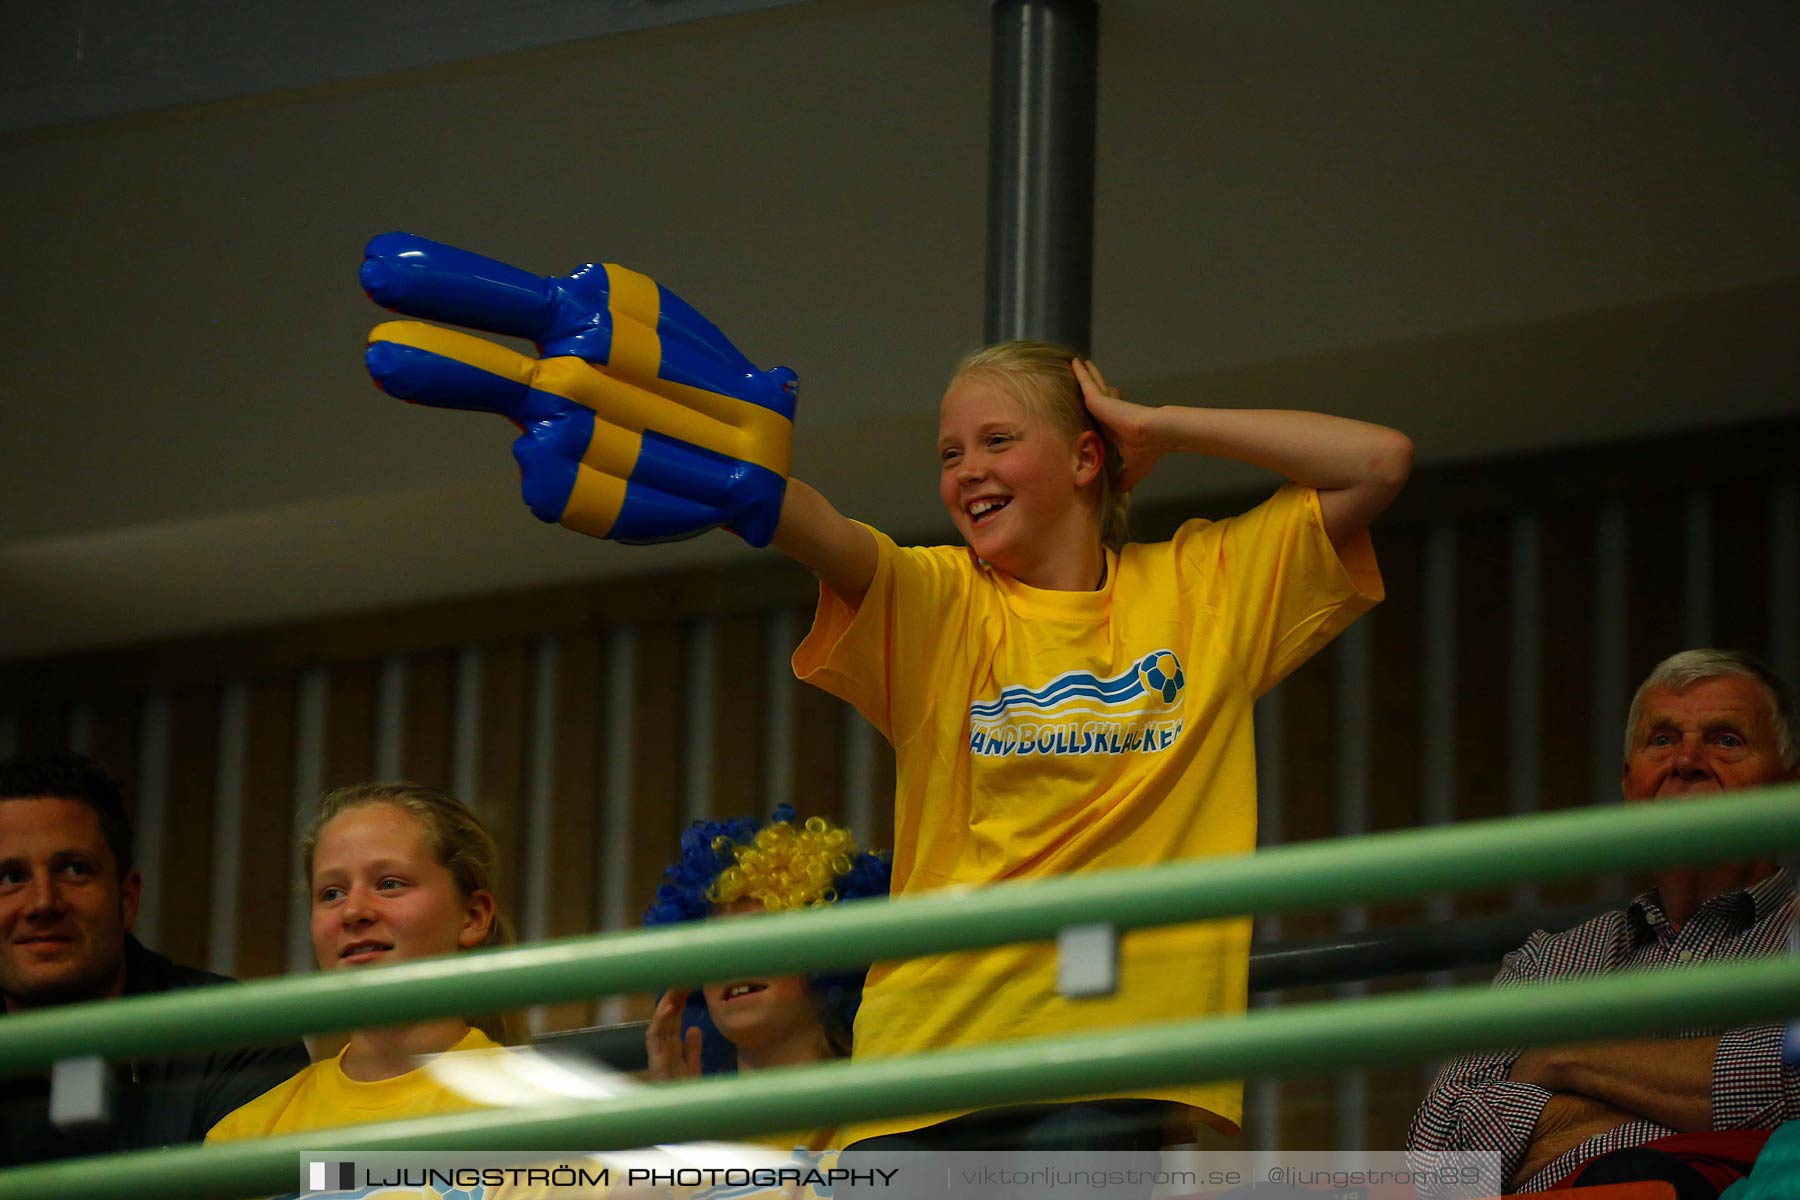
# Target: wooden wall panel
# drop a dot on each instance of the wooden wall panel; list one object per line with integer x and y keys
{"x": 1396, "y": 716}
{"x": 1483, "y": 671}
{"x": 739, "y": 718}
{"x": 818, "y": 755}
{"x": 1567, "y": 556}
{"x": 500, "y": 777}
{"x": 412, "y": 629}
{"x": 43, "y": 727}
{"x": 1656, "y": 569}
{"x": 657, "y": 774}
{"x": 1309, "y": 770}
{"x": 816, "y": 750}
{"x": 1396, "y": 707}
{"x": 186, "y": 869}
{"x": 575, "y": 817}
{"x": 1309, "y": 762}
{"x": 1741, "y": 567}
{"x": 118, "y": 726}
{"x": 349, "y": 725}
{"x": 818, "y": 765}
{"x": 265, "y": 861}
{"x": 1578, "y": 475}
{"x": 430, "y": 715}
{"x": 657, "y": 770}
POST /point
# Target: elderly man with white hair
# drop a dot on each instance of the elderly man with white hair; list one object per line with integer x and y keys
{"x": 1703, "y": 722}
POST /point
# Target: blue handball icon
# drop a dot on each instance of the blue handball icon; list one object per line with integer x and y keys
{"x": 1161, "y": 673}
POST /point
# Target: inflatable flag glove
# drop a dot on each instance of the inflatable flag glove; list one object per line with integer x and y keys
{"x": 642, "y": 422}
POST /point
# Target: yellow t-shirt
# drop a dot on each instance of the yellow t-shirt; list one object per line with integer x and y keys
{"x": 1040, "y": 732}
{"x": 323, "y": 1097}
{"x": 802, "y": 1142}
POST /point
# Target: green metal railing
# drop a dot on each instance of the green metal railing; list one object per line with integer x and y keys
{"x": 1329, "y": 961}
{"x": 1303, "y": 1039}
{"x": 1312, "y": 875}
{"x": 1299, "y": 1039}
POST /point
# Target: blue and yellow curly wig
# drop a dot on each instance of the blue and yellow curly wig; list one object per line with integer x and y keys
{"x": 780, "y": 865}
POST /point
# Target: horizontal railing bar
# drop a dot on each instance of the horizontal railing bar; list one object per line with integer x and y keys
{"x": 1301, "y": 1039}
{"x": 1306, "y": 876}
{"x": 1274, "y": 966}
{"x": 1406, "y": 949}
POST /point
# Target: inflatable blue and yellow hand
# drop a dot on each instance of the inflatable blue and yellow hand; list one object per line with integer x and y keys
{"x": 642, "y": 422}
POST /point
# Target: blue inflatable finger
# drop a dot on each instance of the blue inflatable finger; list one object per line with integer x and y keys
{"x": 409, "y": 373}
{"x": 649, "y": 508}
{"x": 428, "y": 279}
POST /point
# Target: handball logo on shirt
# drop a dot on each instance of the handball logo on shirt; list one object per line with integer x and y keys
{"x": 1080, "y": 713}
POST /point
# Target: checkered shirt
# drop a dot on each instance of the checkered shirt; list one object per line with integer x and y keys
{"x": 1472, "y": 1104}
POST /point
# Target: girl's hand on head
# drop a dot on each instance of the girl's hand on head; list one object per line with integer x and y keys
{"x": 1127, "y": 425}
{"x": 672, "y": 1054}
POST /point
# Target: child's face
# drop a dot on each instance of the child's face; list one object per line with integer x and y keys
{"x": 379, "y": 894}
{"x": 761, "y": 1014}
{"x": 1008, "y": 477}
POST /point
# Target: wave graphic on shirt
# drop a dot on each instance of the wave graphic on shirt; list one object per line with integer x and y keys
{"x": 1158, "y": 675}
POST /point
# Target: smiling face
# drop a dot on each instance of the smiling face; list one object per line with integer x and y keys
{"x": 772, "y": 1021}
{"x": 379, "y": 894}
{"x": 756, "y": 1014}
{"x": 64, "y": 910}
{"x": 1715, "y": 736}
{"x": 1019, "y": 490}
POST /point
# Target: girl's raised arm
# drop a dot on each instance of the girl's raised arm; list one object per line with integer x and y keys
{"x": 1356, "y": 467}
{"x": 827, "y": 543}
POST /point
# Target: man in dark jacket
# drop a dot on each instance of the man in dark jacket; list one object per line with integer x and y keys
{"x": 68, "y": 899}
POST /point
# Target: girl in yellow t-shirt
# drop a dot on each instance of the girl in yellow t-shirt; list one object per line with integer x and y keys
{"x": 395, "y": 871}
{"x": 1061, "y": 700}
{"x": 1058, "y": 699}
{"x": 730, "y": 868}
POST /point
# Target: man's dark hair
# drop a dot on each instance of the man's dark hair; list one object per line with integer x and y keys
{"x": 65, "y": 775}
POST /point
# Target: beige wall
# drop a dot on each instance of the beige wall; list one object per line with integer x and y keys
{"x": 1278, "y": 183}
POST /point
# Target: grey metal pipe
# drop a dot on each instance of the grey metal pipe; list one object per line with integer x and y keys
{"x": 1040, "y": 276}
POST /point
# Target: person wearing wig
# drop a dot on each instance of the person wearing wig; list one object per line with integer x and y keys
{"x": 740, "y": 866}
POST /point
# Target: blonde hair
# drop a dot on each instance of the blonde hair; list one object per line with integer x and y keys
{"x": 784, "y": 867}
{"x": 458, "y": 841}
{"x": 1038, "y": 376}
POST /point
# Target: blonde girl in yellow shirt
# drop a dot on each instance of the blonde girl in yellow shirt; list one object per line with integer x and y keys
{"x": 395, "y": 872}
{"x": 1060, "y": 699}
